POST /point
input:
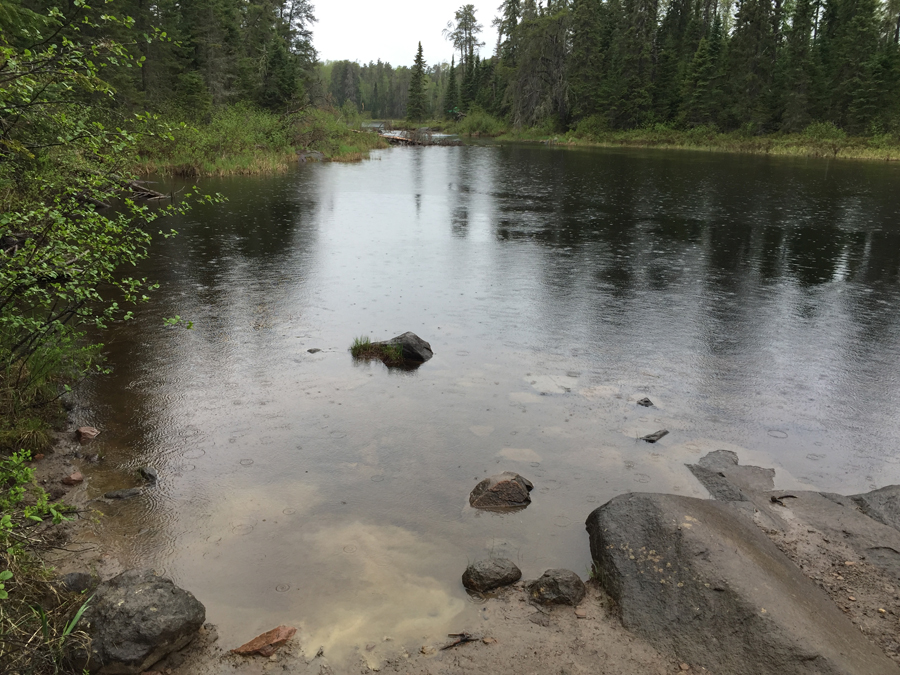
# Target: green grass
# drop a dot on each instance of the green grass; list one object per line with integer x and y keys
{"x": 817, "y": 140}
{"x": 364, "y": 349}
{"x": 242, "y": 139}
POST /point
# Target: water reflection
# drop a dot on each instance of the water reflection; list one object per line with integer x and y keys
{"x": 752, "y": 299}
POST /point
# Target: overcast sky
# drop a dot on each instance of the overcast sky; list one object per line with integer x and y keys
{"x": 367, "y": 31}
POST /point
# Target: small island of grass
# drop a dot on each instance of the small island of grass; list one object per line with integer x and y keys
{"x": 364, "y": 349}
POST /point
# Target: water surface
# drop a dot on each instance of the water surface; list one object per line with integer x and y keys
{"x": 753, "y": 299}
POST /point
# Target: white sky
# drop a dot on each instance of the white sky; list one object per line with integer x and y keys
{"x": 368, "y": 31}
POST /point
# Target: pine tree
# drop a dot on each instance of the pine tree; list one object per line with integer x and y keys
{"x": 451, "y": 95}
{"x": 415, "y": 105}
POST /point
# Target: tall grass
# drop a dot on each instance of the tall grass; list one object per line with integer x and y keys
{"x": 243, "y": 139}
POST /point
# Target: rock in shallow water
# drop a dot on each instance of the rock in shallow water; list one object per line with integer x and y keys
{"x": 415, "y": 349}
{"x": 127, "y": 493}
{"x": 137, "y": 618}
{"x": 557, "y": 587}
{"x": 506, "y": 490}
{"x": 486, "y": 575}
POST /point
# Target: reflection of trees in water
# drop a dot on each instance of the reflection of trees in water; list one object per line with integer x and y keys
{"x": 740, "y": 257}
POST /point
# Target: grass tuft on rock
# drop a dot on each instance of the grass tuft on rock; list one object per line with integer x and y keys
{"x": 364, "y": 349}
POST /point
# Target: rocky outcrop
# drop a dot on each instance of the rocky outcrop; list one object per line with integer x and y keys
{"x": 697, "y": 577}
{"x": 137, "y": 618}
{"x": 486, "y": 575}
{"x": 504, "y": 491}
{"x": 557, "y": 587}
{"x": 415, "y": 349}
{"x": 882, "y": 505}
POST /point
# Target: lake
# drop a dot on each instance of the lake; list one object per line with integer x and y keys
{"x": 754, "y": 300}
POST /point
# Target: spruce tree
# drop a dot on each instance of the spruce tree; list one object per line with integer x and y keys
{"x": 415, "y": 106}
{"x": 797, "y": 69}
{"x": 451, "y": 95}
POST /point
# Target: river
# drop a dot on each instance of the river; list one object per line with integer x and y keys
{"x": 753, "y": 299}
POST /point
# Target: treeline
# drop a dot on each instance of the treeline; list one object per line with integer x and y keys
{"x": 209, "y": 53}
{"x": 380, "y": 90}
{"x": 758, "y": 66}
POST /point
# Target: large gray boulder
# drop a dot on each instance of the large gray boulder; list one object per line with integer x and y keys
{"x": 502, "y": 492}
{"x": 486, "y": 575}
{"x": 415, "y": 349}
{"x": 137, "y": 618}
{"x": 698, "y": 578}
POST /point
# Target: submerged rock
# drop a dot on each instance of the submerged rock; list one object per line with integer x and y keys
{"x": 557, "y": 587}
{"x": 506, "y": 490}
{"x": 486, "y": 575}
{"x": 699, "y": 578}
{"x": 655, "y": 436}
{"x": 137, "y": 618}
{"x": 149, "y": 474}
{"x": 73, "y": 479}
{"x": 415, "y": 349}
{"x": 86, "y": 434}
{"x": 127, "y": 493}
{"x": 646, "y": 402}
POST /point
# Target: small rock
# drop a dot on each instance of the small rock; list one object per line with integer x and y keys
{"x": 149, "y": 474}
{"x": 489, "y": 641}
{"x": 73, "y": 479}
{"x": 655, "y": 436}
{"x": 486, "y": 575}
{"x": 267, "y": 643}
{"x": 86, "y": 434}
{"x": 581, "y": 614}
{"x": 503, "y": 491}
{"x": 851, "y": 598}
{"x": 646, "y": 402}
{"x": 684, "y": 666}
{"x": 557, "y": 587}
{"x": 127, "y": 493}
{"x": 370, "y": 646}
{"x": 849, "y": 563}
{"x": 428, "y": 650}
{"x": 314, "y": 350}
{"x": 38, "y": 457}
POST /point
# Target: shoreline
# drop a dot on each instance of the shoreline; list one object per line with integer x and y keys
{"x": 511, "y": 631}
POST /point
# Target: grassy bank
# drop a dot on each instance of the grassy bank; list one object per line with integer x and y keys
{"x": 817, "y": 140}
{"x": 242, "y": 139}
